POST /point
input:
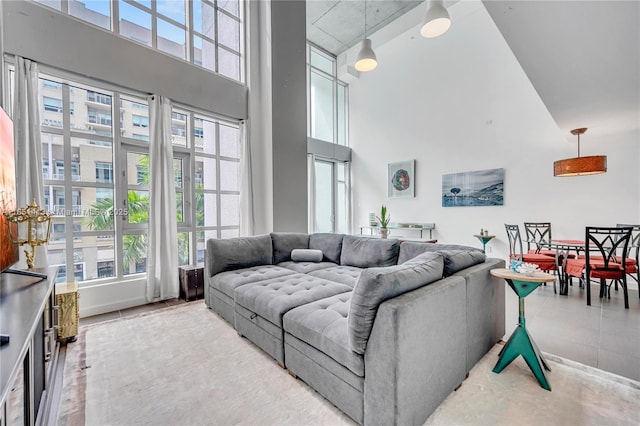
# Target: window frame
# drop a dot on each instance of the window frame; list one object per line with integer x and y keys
{"x": 188, "y": 27}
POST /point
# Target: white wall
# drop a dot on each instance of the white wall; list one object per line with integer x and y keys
{"x": 462, "y": 102}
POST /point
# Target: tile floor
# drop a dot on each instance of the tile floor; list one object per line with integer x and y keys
{"x": 604, "y": 335}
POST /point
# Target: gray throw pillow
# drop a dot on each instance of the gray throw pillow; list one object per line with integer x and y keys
{"x": 330, "y": 244}
{"x": 237, "y": 253}
{"x": 363, "y": 252}
{"x": 457, "y": 260}
{"x": 376, "y": 285}
{"x": 306, "y": 255}
{"x": 284, "y": 242}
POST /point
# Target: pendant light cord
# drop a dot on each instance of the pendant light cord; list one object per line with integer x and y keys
{"x": 365, "y": 18}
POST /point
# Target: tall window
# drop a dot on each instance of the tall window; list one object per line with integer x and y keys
{"x": 327, "y": 98}
{"x": 207, "y": 33}
{"x": 96, "y": 180}
{"x": 327, "y": 126}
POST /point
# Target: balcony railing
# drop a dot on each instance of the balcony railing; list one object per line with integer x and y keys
{"x": 60, "y": 176}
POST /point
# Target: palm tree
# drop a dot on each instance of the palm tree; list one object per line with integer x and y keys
{"x": 134, "y": 246}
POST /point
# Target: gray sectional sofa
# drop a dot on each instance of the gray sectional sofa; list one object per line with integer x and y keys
{"x": 383, "y": 330}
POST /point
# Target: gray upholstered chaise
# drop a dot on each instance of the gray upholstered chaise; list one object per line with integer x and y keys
{"x": 385, "y": 331}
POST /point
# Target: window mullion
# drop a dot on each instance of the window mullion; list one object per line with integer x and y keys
{"x": 218, "y": 197}
{"x": 154, "y": 26}
{"x": 115, "y": 17}
{"x": 119, "y": 190}
{"x": 66, "y": 184}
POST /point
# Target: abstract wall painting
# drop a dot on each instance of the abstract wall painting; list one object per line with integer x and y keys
{"x": 476, "y": 188}
{"x": 401, "y": 179}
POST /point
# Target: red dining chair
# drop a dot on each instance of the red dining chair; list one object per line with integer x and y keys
{"x": 605, "y": 259}
{"x": 633, "y": 256}
{"x": 544, "y": 262}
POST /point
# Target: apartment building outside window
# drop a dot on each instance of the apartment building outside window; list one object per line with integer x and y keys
{"x": 96, "y": 181}
{"x": 206, "y": 33}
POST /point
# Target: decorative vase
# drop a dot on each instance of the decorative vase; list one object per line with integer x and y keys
{"x": 384, "y": 232}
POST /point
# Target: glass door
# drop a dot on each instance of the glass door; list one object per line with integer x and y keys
{"x": 330, "y": 194}
{"x": 325, "y": 217}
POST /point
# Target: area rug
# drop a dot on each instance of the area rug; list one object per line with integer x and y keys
{"x": 181, "y": 365}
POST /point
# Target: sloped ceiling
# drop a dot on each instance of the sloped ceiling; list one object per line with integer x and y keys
{"x": 583, "y": 58}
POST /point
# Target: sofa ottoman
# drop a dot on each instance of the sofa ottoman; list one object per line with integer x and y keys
{"x": 223, "y": 285}
{"x": 316, "y": 342}
{"x": 260, "y": 306}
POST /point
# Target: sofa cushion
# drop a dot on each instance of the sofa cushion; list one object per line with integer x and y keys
{"x": 238, "y": 253}
{"x": 457, "y": 260}
{"x": 284, "y": 242}
{"x": 305, "y": 267}
{"x": 228, "y": 281}
{"x": 330, "y": 244}
{"x": 379, "y": 284}
{"x": 306, "y": 255}
{"x": 339, "y": 273}
{"x": 273, "y": 298}
{"x": 410, "y": 249}
{"x": 364, "y": 252}
{"x": 323, "y": 325}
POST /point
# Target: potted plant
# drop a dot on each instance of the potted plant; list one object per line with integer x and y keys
{"x": 384, "y": 219}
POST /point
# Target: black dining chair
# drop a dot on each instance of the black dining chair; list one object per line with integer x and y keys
{"x": 633, "y": 256}
{"x": 544, "y": 262}
{"x": 605, "y": 259}
{"x": 537, "y": 235}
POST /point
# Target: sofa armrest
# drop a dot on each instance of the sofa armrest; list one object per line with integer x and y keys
{"x": 416, "y": 354}
{"x": 234, "y": 253}
{"x": 485, "y": 308}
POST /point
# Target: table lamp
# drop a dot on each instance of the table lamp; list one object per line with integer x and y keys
{"x": 34, "y": 226}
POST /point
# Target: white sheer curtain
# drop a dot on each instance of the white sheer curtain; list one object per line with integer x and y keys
{"x": 26, "y": 129}
{"x": 247, "y": 217}
{"x": 162, "y": 249}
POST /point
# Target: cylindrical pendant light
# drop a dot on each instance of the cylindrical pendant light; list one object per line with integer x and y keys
{"x": 580, "y": 166}
{"x": 366, "y": 60}
{"x": 436, "y": 21}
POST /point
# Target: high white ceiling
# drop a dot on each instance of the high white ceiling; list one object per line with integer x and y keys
{"x": 582, "y": 56}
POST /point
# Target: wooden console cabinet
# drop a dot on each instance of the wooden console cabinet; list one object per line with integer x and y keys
{"x": 28, "y": 314}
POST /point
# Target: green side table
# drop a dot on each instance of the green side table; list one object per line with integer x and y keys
{"x": 484, "y": 239}
{"x": 520, "y": 342}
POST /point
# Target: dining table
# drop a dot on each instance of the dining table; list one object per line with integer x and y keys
{"x": 563, "y": 249}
